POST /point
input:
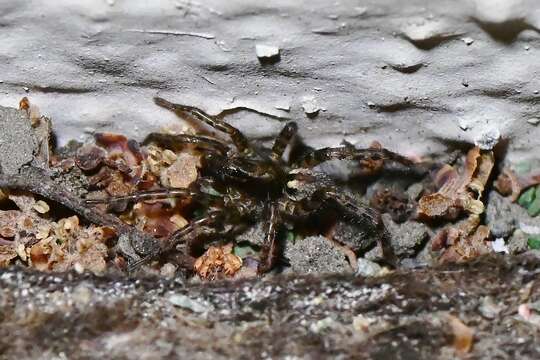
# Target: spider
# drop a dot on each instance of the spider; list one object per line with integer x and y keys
{"x": 242, "y": 184}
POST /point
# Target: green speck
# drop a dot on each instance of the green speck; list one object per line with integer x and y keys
{"x": 522, "y": 168}
{"x": 198, "y": 213}
{"x": 291, "y": 236}
{"x": 527, "y": 197}
{"x": 534, "y": 243}
{"x": 244, "y": 250}
{"x": 534, "y": 208}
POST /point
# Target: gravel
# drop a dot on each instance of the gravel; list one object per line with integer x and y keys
{"x": 315, "y": 254}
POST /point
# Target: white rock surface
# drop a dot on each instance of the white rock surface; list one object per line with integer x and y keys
{"x": 97, "y": 64}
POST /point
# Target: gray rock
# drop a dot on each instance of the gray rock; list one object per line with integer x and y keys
{"x": 503, "y": 217}
{"x": 367, "y": 268}
{"x": 487, "y": 137}
{"x": 17, "y": 141}
{"x": 315, "y": 254}
{"x": 500, "y": 215}
{"x": 310, "y": 106}
{"x": 406, "y": 238}
{"x": 518, "y": 242}
{"x": 533, "y": 121}
{"x": 186, "y": 302}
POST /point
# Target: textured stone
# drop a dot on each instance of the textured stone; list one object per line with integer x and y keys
{"x": 315, "y": 254}
{"x": 17, "y": 140}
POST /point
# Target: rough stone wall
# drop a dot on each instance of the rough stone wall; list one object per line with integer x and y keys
{"x": 419, "y": 76}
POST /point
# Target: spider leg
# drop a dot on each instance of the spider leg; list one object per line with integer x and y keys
{"x": 364, "y": 215}
{"x": 177, "y": 237}
{"x": 270, "y": 250}
{"x": 283, "y": 140}
{"x": 238, "y": 139}
{"x": 149, "y": 195}
{"x": 174, "y": 140}
{"x": 349, "y": 152}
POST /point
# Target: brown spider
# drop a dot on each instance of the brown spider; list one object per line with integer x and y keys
{"x": 242, "y": 184}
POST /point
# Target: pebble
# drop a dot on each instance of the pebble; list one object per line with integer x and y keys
{"x": 310, "y": 106}
{"x": 267, "y": 54}
{"x": 367, "y": 268}
{"x": 499, "y": 246}
{"x": 187, "y": 303}
{"x": 488, "y": 138}
{"x": 315, "y": 254}
{"x": 467, "y": 40}
{"x": 534, "y": 121}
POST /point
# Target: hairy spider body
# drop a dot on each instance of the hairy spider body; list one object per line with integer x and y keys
{"x": 241, "y": 184}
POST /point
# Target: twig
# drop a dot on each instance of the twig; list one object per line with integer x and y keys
{"x": 37, "y": 181}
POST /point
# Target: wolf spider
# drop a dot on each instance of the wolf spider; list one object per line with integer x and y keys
{"x": 242, "y": 184}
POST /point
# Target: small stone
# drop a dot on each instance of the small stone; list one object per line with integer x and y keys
{"x": 185, "y": 302}
{"x": 321, "y": 325}
{"x": 78, "y": 267}
{"x": 182, "y": 172}
{"x": 463, "y": 125}
{"x": 467, "y": 40}
{"x": 371, "y": 104}
{"x": 465, "y": 83}
{"x": 517, "y": 243}
{"x": 315, "y": 254}
{"x": 41, "y": 207}
{"x": 367, "y": 268}
{"x": 488, "y": 138}
{"x": 89, "y": 157}
{"x": 500, "y": 215}
{"x": 527, "y": 47}
{"x": 267, "y": 54}
{"x": 488, "y": 308}
{"x": 534, "y": 121}
{"x": 499, "y": 246}
{"x": 310, "y": 106}
{"x": 21, "y": 251}
{"x": 406, "y": 238}
{"x": 168, "y": 270}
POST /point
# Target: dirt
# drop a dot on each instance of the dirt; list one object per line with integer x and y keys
{"x": 405, "y": 315}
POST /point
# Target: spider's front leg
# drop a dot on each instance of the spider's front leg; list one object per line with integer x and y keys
{"x": 200, "y": 225}
{"x": 271, "y": 249}
{"x": 158, "y": 194}
{"x": 239, "y": 140}
{"x": 175, "y": 140}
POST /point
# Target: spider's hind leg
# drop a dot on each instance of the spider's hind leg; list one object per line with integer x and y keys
{"x": 363, "y": 215}
{"x": 371, "y": 158}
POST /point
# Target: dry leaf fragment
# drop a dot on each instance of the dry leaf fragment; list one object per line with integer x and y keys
{"x": 41, "y": 207}
{"x": 7, "y": 253}
{"x": 459, "y": 191}
{"x": 217, "y": 260}
{"x": 463, "y": 335}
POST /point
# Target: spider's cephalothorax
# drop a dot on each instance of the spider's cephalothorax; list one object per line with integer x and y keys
{"x": 241, "y": 184}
